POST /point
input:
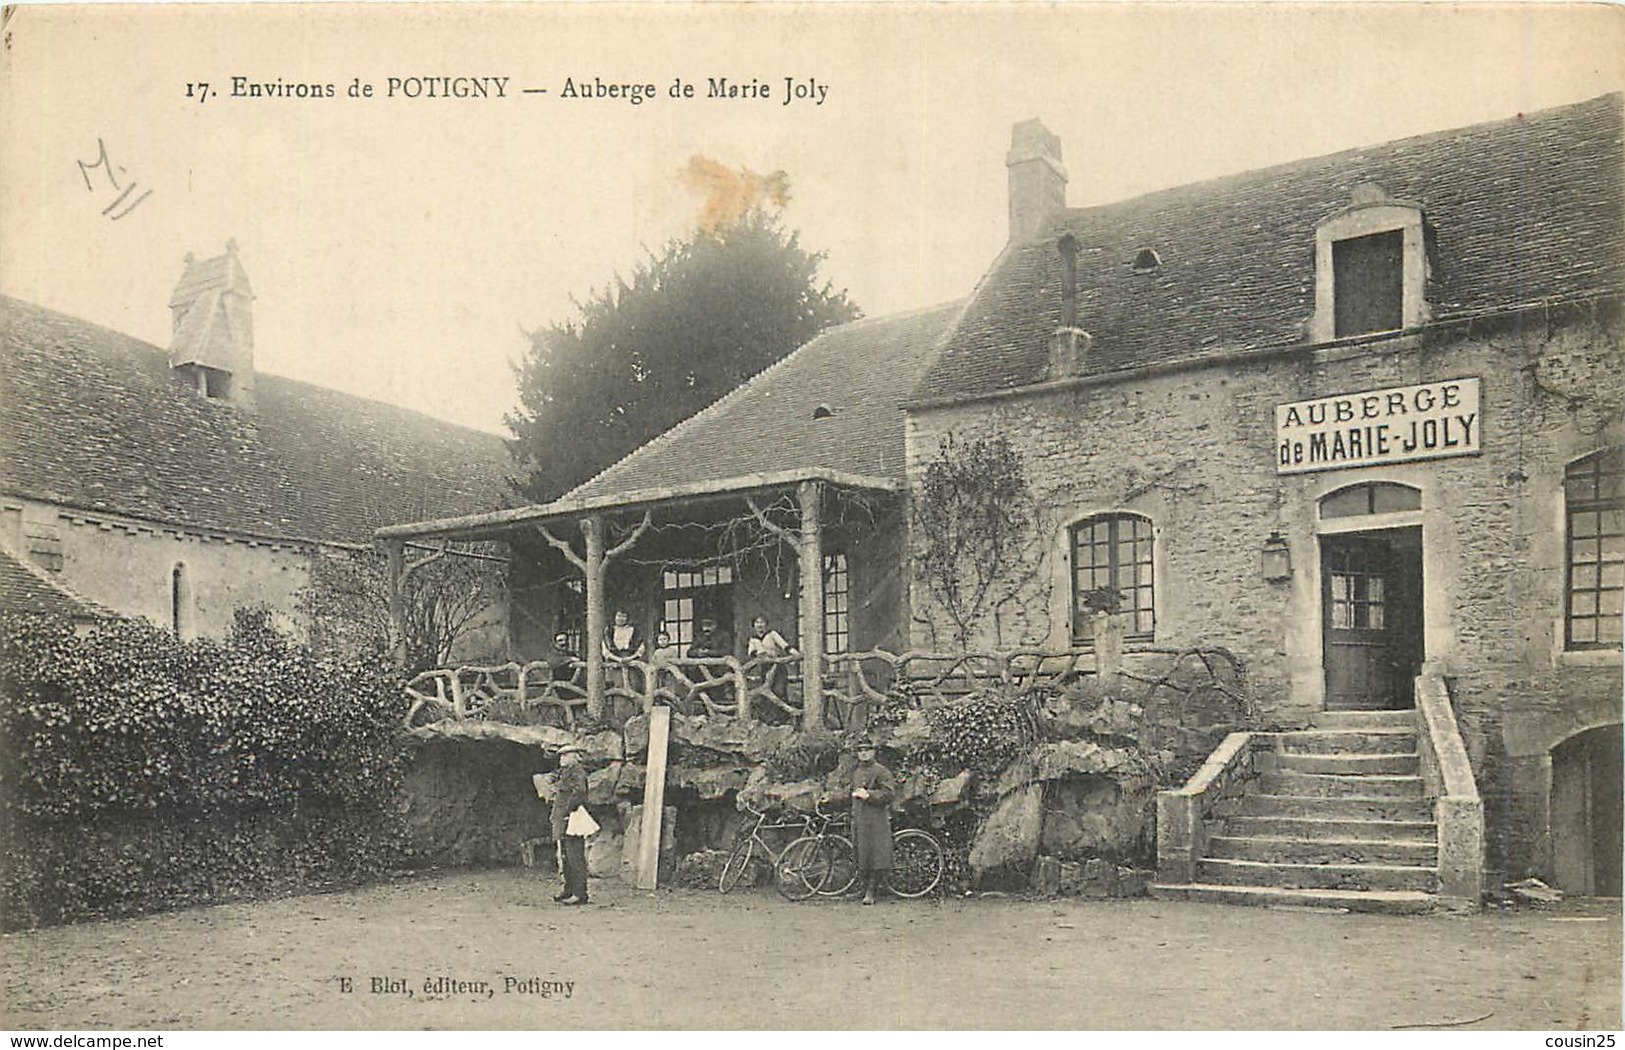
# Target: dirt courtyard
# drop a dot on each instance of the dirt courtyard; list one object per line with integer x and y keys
{"x": 490, "y": 950}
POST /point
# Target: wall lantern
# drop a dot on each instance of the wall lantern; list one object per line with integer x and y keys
{"x": 1276, "y": 558}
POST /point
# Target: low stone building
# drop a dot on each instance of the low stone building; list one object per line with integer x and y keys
{"x": 178, "y": 484}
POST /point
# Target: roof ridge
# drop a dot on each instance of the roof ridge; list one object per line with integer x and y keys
{"x": 158, "y": 351}
{"x": 1299, "y": 163}
{"x": 671, "y": 433}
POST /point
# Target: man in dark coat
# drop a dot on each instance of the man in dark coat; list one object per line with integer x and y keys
{"x": 569, "y": 792}
{"x": 872, "y": 789}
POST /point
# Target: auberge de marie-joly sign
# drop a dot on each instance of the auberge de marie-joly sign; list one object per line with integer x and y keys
{"x": 1397, "y": 425}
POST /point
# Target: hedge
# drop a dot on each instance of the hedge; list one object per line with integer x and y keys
{"x": 139, "y": 772}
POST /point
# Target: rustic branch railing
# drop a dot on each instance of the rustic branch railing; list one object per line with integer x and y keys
{"x": 763, "y": 688}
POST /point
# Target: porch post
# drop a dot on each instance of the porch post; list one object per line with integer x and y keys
{"x": 592, "y": 528}
{"x": 396, "y": 552}
{"x": 810, "y": 496}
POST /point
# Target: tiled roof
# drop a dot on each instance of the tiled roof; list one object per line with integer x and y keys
{"x": 858, "y": 372}
{"x": 1517, "y": 212}
{"x": 95, "y": 419}
{"x": 27, "y": 588}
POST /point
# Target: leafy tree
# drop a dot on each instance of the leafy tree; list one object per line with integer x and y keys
{"x": 973, "y": 520}
{"x": 691, "y": 323}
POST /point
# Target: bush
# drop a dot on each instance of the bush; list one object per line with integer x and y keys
{"x": 983, "y": 733}
{"x": 139, "y": 772}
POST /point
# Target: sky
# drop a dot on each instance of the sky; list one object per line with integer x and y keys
{"x": 399, "y": 248}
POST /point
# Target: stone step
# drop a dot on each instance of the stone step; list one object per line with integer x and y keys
{"x": 1364, "y": 719}
{"x": 1324, "y": 785}
{"x": 1284, "y": 850}
{"x": 1414, "y": 832}
{"x": 1389, "y": 740}
{"x": 1318, "y": 876}
{"x": 1365, "y": 808}
{"x": 1350, "y": 765}
{"x": 1381, "y": 902}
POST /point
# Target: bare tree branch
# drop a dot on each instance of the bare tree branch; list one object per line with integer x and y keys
{"x": 636, "y": 534}
{"x": 553, "y": 541}
{"x": 780, "y": 531}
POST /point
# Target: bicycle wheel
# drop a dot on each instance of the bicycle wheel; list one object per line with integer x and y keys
{"x": 803, "y": 868}
{"x": 739, "y": 861}
{"x": 843, "y": 866}
{"x": 916, "y": 863}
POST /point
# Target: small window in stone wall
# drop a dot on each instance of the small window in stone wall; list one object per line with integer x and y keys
{"x": 1594, "y": 501}
{"x": 1368, "y": 275}
{"x": 1112, "y": 553}
{"x": 44, "y": 545}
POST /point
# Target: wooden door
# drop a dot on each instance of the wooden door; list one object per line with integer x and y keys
{"x": 1586, "y": 813}
{"x": 1370, "y": 607}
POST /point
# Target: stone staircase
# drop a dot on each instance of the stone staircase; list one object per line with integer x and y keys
{"x": 1336, "y": 817}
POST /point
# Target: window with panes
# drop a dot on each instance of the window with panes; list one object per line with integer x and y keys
{"x": 690, "y": 595}
{"x": 837, "y": 604}
{"x": 572, "y": 616}
{"x": 1112, "y": 552}
{"x": 1594, "y": 499}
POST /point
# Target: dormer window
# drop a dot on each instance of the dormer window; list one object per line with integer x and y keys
{"x": 210, "y": 382}
{"x": 1368, "y": 284}
{"x": 1370, "y": 268}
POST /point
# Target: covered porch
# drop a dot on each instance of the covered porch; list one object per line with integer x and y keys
{"x": 691, "y": 568}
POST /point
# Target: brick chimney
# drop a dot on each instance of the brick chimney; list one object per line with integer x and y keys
{"x": 212, "y": 341}
{"x": 1037, "y": 179}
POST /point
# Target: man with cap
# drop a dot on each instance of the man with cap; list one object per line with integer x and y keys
{"x": 569, "y": 792}
{"x": 872, "y": 789}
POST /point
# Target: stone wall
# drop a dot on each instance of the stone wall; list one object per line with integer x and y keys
{"x": 471, "y": 802}
{"x": 1194, "y": 450}
{"x": 128, "y": 565}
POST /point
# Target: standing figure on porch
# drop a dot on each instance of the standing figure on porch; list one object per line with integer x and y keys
{"x": 623, "y": 641}
{"x": 762, "y": 649}
{"x": 570, "y": 794}
{"x": 712, "y": 642}
{"x": 565, "y": 659}
{"x": 872, "y": 789}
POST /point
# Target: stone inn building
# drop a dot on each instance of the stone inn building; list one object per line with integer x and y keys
{"x": 178, "y": 484}
{"x": 1355, "y": 419}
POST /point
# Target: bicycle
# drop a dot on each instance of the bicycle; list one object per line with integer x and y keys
{"x": 745, "y": 848}
{"x": 821, "y": 862}
{"x": 917, "y": 863}
{"x": 826, "y": 864}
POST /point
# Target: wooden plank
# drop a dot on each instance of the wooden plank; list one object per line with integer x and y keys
{"x": 654, "y": 798}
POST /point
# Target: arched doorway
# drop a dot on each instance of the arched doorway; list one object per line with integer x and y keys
{"x": 1371, "y": 595}
{"x": 1586, "y": 812}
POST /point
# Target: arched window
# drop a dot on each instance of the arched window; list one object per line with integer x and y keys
{"x": 1111, "y": 563}
{"x": 1594, "y": 506}
{"x": 1376, "y": 497}
{"x": 180, "y": 601}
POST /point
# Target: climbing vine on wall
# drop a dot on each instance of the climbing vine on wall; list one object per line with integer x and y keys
{"x": 973, "y": 522}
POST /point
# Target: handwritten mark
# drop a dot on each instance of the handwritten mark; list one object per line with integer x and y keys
{"x": 121, "y": 205}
